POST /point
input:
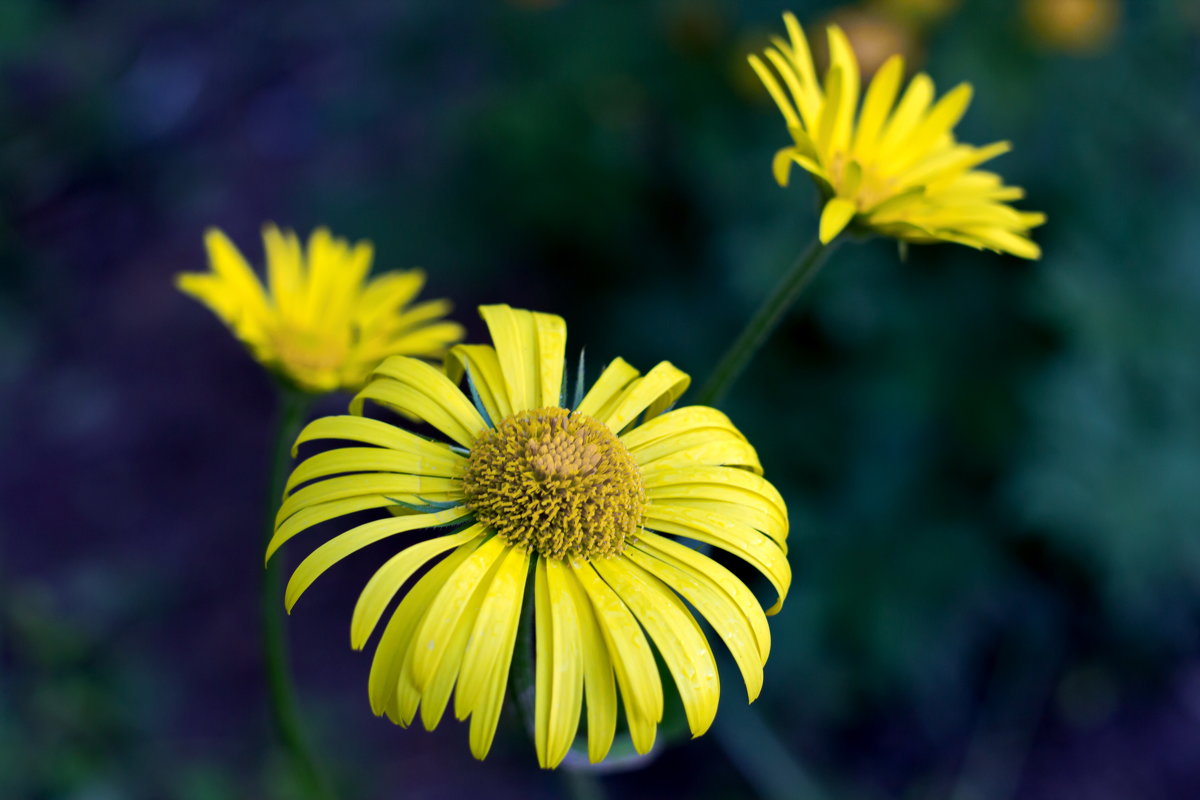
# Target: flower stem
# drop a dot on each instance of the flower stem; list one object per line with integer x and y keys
{"x": 293, "y": 407}
{"x": 763, "y": 323}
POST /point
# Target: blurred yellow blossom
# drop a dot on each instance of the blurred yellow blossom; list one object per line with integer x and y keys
{"x": 323, "y": 325}
{"x": 894, "y": 167}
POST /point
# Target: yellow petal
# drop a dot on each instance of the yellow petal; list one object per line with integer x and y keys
{"x": 607, "y": 388}
{"x": 944, "y": 115}
{"x": 285, "y": 270}
{"x": 675, "y": 633}
{"x": 743, "y": 541}
{"x": 653, "y": 393}
{"x": 632, "y": 658}
{"x": 775, "y": 90}
{"x": 687, "y": 419}
{"x": 905, "y": 118}
{"x": 355, "y": 539}
{"x": 836, "y": 216}
{"x": 383, "y": 295}
{"x": 388, "y": 579}
{"x": 432, "y": 639}
{"x": 484, "y": 676}
{"x": 416, "y": 388}
{"x": 437, "y": 457}
{"x": 391, "y": 654}
{"x": 598, "y": 680}
{"x": 831, "y": 112}
{"x": 364, "y": 459}
{"x": 881, "y": 94}
{"x": 513, "y": 334}
{"x": 484, "y": 367}
{"x": 559, "y": 679}
{"x": 550, "y": 333}
{"x": 403, "y": 487}
{"x": 807, "y": 101}
{"x": 716, "y": 606}
{"x": 949, "y": 164}
{"x": 318, "y": 513}
{"x": 801, "y": 54}
{"x": 457, "y": 635}
{"x": 242, "y": 283}
{"x": 685, "y": 559}
{"x": 730, "y": 505}
{"x": 727, "y": 483}
{"x": 702, "y": 448}
{"x": 841, "y": 56}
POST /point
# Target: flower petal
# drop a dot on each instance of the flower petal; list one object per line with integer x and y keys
{"x": 388, "y": 579}
{"x": 680, "y": 420}
{"x": 484, "y": 675}
{"x": 633, "y": 661}
{"x": 653, "y": 393}
{"x": 238, "y": 277}
{"x": 881, "y": 95}
{"x": 741, "y": 540}
{"x": 432, "y": 639}
{"x": 836, "y": 216}
{"x": 530, "y": 349}
{"x": 729, "y": 484}
{"x": 705, "y": 447}
{"x": 559, "y": 680}
{"x": 675, "y": 633}
{"x": 436, "y": 458}
{"x": 391, "y": 654}
{"x": 481, "y": 361}
{"x": 598, "y": 680}
{"x": 607, "y": 389}
{"x": 715, "y": 605}
{"x": 409, "y": 488}
{"x": 691, "y": 562}
{"x": 414, "y": 387}
{"x": 363, "y": 459}
{"x": 355, "y": 539}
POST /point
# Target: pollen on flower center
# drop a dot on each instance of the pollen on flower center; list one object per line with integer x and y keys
{"x": 555, "y": 481}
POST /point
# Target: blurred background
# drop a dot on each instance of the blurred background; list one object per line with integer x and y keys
{"x": 992, "y": 466}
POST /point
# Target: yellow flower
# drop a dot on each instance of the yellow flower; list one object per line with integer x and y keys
{"x": 323, "y": 325}
{"x": 584, "y": 497}
{"x": 893, "y": 167}
{"x": 1080, "y": 26}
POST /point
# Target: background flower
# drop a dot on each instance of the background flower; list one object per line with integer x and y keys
{"x": 323, "y": 324}
{"x": 894, "y": 167}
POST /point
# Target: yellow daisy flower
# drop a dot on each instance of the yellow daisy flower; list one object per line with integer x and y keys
{"x": 891, "y": 167}
{"x": 323, "y": 325}
{"x": 585, "y": 498}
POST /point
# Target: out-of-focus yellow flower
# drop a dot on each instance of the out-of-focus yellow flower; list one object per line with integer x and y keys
{"x": 1079, "y": 26}
{"x": 893, "y": 167}
{"x": 919, "y": 13}
{"x": 323, "y": 325}
{"x": 874, "y": 37}
{"x": 588, "y": 494}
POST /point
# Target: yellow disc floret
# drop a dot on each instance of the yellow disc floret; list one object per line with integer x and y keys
{"x": 555, "y": 481}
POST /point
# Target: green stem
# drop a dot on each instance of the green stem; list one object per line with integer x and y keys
{"x": 293, "y": 407}
{"x": 763, "y": 323}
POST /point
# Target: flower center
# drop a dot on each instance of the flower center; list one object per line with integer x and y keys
{"x": 559, "y": 482}
{"x": 305, "y": 351}
{"x": 869, "y": 187}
